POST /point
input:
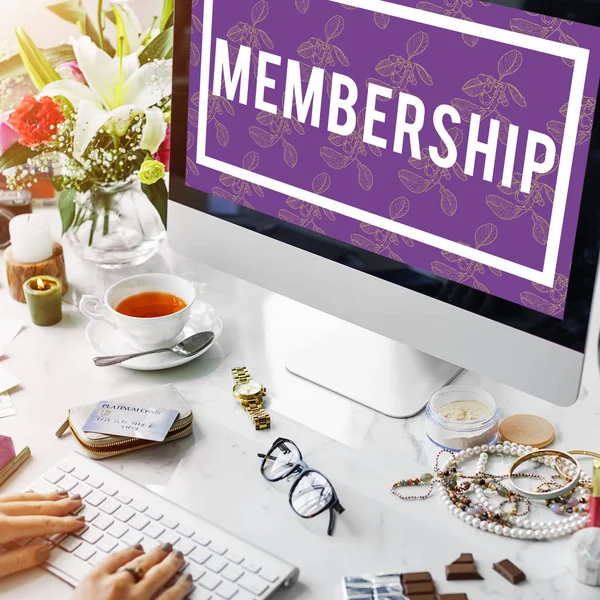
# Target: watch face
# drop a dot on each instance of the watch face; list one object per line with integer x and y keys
{"x": 248, "y": 388}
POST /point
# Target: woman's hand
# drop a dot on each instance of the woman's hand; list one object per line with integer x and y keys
{"x": 154, "y": 576}
{"x": 31, "y": 515}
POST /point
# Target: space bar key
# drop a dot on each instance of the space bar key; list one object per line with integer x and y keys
{"x": 69, "y": 564}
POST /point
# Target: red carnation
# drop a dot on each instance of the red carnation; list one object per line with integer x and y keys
{"x": 36, "y": 120}
{"x": 164, "y": 152}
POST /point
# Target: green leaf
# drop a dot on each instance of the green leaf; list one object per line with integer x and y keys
{"x": 15, "y": 156}
{"x": 38, "y": 67}
{"x": 74, "y": 12}
{"x": 166, "y": 17}
{"x": 66, "y": 206}
{"x": 14, "y": 67}
{"x": 160, "y": 48}
{"x": 158, "y": 194}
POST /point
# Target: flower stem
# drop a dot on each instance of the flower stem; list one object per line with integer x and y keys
{"x": 101, "y": 23}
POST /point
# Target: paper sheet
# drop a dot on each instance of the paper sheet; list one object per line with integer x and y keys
{"x": 7, "y": 408}
{"x": 7, "y": 380}
{"x": 9, "y": 329}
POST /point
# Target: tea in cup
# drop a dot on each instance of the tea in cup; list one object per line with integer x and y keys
{"x": 151, "y": 310}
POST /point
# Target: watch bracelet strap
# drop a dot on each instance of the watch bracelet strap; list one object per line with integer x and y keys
{"x": 260, "y": 417}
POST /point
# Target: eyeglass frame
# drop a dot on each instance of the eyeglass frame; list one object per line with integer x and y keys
{"x": 333, "y": 506}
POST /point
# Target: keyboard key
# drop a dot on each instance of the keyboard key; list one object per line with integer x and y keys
{"x": 195, "y": 571}
{"x": 186, "y": 546}
{"x": 154, "y": 513}
{"x": 124, "y": 514}
{"x": 41, "y": 486}
{"x": 200, "y": 594}
{"x": 57, "y": 537}
{"x": 80, "y": 532}
{"x": 232, "y": 573}
{"x": 95, "y": 482}
{"x": 186, "y": 531}
{"x": 268, "y": 576}
{"x": 218, "y": 548}
{"x": 96, "y": 557}
{"x": 108, "y": 489}
{"x": 109, "y": 506}
{"x": 89, "y": 512}
{"x": 138, "y": 522}
{"x": 199, "y": 539}
{"x": 95, "y": 498}
{"x": 106, "y": 543}
{"x": 85, "y": 551}
{"x": 92, "y": 535}
{"x": 82, "y": 489}
{"x": 117, "y": 529}
{"x": 70, "y": 543}
{"x": 250, "y": 567}
{"x": 67, "y": 483}
{"x": 123, "y": 498}
{"x": 209, "y": 581}
{"x": 139, "y": 505}
{"x": 226, "y": 590}
{"x": 67, "y": 562}
{"x": 215, "y": 564}
{"x": 103, "y": 521}
{"x": 132, "y": 537}
{"x": 153, "y": 530}
{"x": 170, "y": 523}
{"x": 66, "y": 466}
{"x": 169, "y": 537}
{"x": 77, "y": 510}
{"x": 233, "y": 557}
{"x": 54, "y": 475}
{"x": 79, "y": 474}
{"x": 252, "y": 584}
{"x": 200, "y": 555}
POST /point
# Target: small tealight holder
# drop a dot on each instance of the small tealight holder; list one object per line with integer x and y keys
{"x": 44, "y": 297}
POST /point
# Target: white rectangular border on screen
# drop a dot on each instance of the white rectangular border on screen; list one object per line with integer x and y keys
{"x": 580, "y": 56}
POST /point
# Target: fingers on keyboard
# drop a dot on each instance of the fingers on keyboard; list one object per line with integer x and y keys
{"x": 159, "y": 575}
{"x": 40, "y": 526}
{"x": 56, "y": 508}
{"x": 113, "y": 562}
{"x": 180, "y": 589}
{"x": 32, "y": 497}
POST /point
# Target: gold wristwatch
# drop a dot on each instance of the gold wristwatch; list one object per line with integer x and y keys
{"x": 249, "y": 394}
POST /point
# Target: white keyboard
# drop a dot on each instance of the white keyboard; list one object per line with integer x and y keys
{"x": 121, "y": 513}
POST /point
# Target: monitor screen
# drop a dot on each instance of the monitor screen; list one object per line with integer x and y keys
{"x": 449, "y": 138}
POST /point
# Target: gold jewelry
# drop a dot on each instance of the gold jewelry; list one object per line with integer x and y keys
{"x": 249, "y": 394}
{"x": 136, "y": 572}
{"x": 578, "y": 453}
{"x": 570, "y": 486}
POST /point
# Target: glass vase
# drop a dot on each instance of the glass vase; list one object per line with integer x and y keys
{"x": 116, "y": 225}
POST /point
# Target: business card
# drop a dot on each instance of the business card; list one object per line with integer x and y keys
{"x": 126, "y": 420}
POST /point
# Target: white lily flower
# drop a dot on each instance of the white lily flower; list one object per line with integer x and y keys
{"x": 119, "y": 90}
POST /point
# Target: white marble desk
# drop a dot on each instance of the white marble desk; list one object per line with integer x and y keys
{"x": 216, "y": 473}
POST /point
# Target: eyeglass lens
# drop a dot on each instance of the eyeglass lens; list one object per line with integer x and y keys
{"x": 280, "y": 461}
{"x": 312, "y": 494}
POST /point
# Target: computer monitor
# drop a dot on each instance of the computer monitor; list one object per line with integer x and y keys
{"x": 426, "y": 170}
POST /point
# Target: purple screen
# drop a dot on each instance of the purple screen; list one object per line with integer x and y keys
{"x": 448, "y": 135}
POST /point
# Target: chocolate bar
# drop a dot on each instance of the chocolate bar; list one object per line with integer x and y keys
{"x": 464, "y": 558}
{"x": 453, "y": 597}
{"x": 509, "y": 571}
{"x": 415, "y": 577}
{"x": 462, "y": 571}
{"x": 423, "y": 587}
{"x": 432, "y": 596}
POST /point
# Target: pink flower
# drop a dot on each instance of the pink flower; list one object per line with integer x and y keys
{"x": 8, "y": 137}
{"x": 75, "y": 71}
{"x": 164, "y": 152}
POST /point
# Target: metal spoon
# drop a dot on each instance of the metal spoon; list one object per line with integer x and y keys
{"x": 188, "y": 347}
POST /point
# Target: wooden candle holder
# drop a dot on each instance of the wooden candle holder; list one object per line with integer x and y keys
{"x": 18, "y": 273}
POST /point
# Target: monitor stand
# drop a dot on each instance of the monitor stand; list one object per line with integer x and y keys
{"x": 379, "y": 373}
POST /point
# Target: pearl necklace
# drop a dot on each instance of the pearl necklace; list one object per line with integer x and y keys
{"x": 513, "y": 525}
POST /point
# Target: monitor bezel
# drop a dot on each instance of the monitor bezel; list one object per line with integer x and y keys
{"x": 503, "y": 311}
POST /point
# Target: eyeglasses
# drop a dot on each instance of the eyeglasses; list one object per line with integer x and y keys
{"x": 312, "y": 493}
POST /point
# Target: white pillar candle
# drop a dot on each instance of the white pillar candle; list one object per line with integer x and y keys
{"x": 30, "y": 238}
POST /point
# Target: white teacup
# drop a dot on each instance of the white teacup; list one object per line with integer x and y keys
{"x": 156, "y": 332}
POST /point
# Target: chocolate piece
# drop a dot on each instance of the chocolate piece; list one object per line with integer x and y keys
{"x": 423, "y": 597}
{"x": 509, "y": 571}
{"x": 415, "y": 577}
{"x": 464, "y": 558}
{"x": 453, "y": 597}
{"x": 462, "y": 571}
{"x": 423, "y": 587}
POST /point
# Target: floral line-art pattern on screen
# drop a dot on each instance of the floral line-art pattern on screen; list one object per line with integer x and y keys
{"x": 547, "y": 28}
{"x": 525, "y": 204}
{"x": 557, "y": 128}
{"x": 381, "y": 20}
{"x": 433, "y": 175}
{"x": 380, "y": 240}
{"x": 492, "y": 93}
{"x": 306, "y": 214}
{"x": 468, "y": 271}
{"x": 456, "y": 9}
{"x": 553, "y": 300}
{"x": 238, "y": 189}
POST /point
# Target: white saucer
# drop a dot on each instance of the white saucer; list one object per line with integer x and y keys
{"x": 105, "y": 340}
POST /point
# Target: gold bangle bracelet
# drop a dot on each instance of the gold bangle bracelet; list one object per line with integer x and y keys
{"x": 588, "y": 453}
{"x": 570, "y": 486}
